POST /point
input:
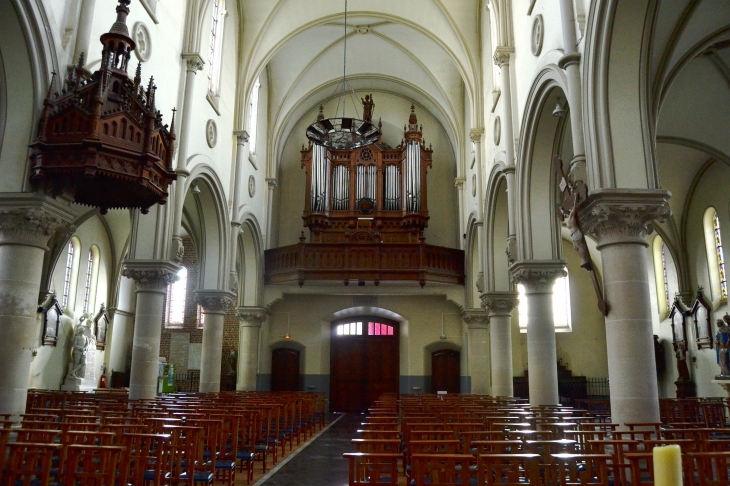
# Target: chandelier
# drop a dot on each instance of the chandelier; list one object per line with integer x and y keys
{"x": 342, "y": 132}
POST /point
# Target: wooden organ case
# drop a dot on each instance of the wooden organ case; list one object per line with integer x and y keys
{"x": 366, "y": 210}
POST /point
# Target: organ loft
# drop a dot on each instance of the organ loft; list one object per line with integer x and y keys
{"x": 366, "y": 209}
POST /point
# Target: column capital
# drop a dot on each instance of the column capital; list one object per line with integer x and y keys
{"x": 215, "y": 301}
{"x": 623, "y": 215}
{"x": 272, "y": 182}
{"x": 538, "y": 276}
{"x": 194, "y": 61}
{"x": 459, "y": 183}
{"x": 242, "y": 136}
{"x": 30, "y": 219}
{"x": 251, "y": 316}
{"x": 499, "y": 303}
{"x": 502, "y": 54}
{"x": 475, "y": 318}
{"x": 151, "y": 275}
{"x": 476, "y": 134}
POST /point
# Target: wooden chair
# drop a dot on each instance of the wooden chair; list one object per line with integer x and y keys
{"x": 372, "y": 468}
{"x": 185, "y": 453}
{"x": 618, "y": 467}
{"x": 578, "y": 469}
{"x": 508, "y": 469}
{"x": 481, "y": 447}
{"x": 91, "y": 465}
{"x": 641, "y": 467}
{"x": 442, "y": 469}
{"x": 29, "y": 464}
{"x": 711, "y": 468}
{"x": 145, "y": 459}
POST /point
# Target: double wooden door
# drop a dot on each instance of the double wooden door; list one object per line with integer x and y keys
{"x": 446, "y": 371}
{"x": 364, "y": 362}
{"x": 285, "y": 369}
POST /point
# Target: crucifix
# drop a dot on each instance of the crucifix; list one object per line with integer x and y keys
{"x": 573, "y": 198}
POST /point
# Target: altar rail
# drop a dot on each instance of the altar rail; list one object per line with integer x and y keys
{"x": 364, "y": 262}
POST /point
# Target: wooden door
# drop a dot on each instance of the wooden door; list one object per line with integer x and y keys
{"x": 364, "y": 364}
{"x": 285, "y": 370}
{"x": 445, "y": 371}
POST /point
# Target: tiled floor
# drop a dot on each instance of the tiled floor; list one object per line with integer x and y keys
{"x": 321, "y": 462}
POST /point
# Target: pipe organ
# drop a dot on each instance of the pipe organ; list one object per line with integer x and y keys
{"x": 366, "y": 210}
{"x": 374, "y": 192}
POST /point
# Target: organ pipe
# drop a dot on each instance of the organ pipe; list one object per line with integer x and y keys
{"x": 413, "y": 177}
{"x": 320, "y": 165}
{"x": 341, "y": 188}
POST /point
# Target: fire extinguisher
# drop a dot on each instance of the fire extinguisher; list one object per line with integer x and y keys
{"x": 102, "y": 381}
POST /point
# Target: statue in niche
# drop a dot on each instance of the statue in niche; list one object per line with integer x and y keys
{"x": 367, "y": 108}
{"x": 722, "y": 341}
{"x": 680, "y": 351}
{"x": 80, "y": 344}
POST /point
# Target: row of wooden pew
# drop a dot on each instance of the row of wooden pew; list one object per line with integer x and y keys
{"x": 468, "y": 439}
{"x": 105, "y": 439}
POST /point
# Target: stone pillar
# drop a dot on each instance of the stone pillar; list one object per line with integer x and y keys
{"x": 476, "y": 138}
{"x": 499, "y": 307}
{"x": 538, "y": 277}
{"x": 272, "y": 183}
{"x": 152, "y": 278}
{"x": 459, "y": 184}
{"x": 620, "y": 220}
{"x": 241, "y": 140}
{"x": 215, "y": 304}
{"x": 122, "y": 327}
{"x": 26, "y": 225}
{"x": 194, "y": 64}
{"x": 249, "y": 323}
{"x": 83, "y": 31}
{"x": 478, "y": 323}
{"x": 501, "y": 59}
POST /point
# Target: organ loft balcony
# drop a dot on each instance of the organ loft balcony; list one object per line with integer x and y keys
{"x": 366, "y": 210}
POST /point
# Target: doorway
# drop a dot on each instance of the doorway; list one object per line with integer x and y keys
{"x": 446, "y": 371}
{"x": 364, "y": 362}
{"x": 285, "y": 369}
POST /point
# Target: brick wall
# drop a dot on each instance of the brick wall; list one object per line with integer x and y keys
{"x": 190, "y": 320}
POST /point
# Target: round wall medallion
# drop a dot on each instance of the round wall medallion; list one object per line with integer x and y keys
{"x": 211, "y": 133}
{"x": 251, "y": 186}
{"x": 474, "y": 185}
{"x": 538, "y": 31}
{"x": 497, "y": 130}
{"x": 141, "y": 36}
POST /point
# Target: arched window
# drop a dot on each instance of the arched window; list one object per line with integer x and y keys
{"x": 253, "y": 121}
{"x": 92, "y": 279}
{"x": 215, "y": 48}
{"x": 715, "y": 255}
{"x": 71, "y": 275}
{"x": 659, "y": 252}
{"x": 176, "y": 300}
{"x": 561, "y": 306}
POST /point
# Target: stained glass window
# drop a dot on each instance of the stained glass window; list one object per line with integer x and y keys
{"x": 176, "y": 299}
{"x": 349, "y": 329}
{"x": 378, "y": 329}
{"x": 720, "y": 256}
{"x": 87, "y": 285}
{"x": 67, "y": 275}
{"x": 666, "y": 280}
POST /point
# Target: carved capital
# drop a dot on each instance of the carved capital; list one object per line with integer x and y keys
{"x": 194, "y": 62}
{"x": 538, "y": 276}
{"x": 459, "y": 183}
{"x": 623, "y": 216}
{"x": 215, "y": 301}
{"x": 476, "y": 135}
{"x": 151, "y": 275}
{"x": 251, "y": 316}
{"x": 501, "y": 55}
{"x": 31, "y": 220}
{"x": 499, "y": 303}
{"x": 475, "y": 318}
{"x": 242, "y": 136}
{"x": 272, "y": 182}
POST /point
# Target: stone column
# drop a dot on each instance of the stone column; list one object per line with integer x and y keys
{"x": 272, "y": 183}
{"x": 194, "y": 64}
{"x": 152, "y": 278}
{"x": 476, "y": 138}
{"x": 215, "y": 304}
{"x": 499, "y": 307}
{"x": 478, "y": 323}
{"x": 459, "y": 184}
{"x": 83, "y": 31}
{"x": 121, "y": 335}
{"x": 241, "y": 140}
{"x": 26, "y": 225}
{"x": 620, "y": 220}
{"x": 501, "y": 59}
{"x": 538, "y": 277}
{"x": 249, "y": 323}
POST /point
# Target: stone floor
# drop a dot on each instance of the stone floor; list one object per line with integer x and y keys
{"x": 320, "y": 463}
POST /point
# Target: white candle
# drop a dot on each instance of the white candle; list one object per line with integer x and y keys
{"x": 668, "y": 466}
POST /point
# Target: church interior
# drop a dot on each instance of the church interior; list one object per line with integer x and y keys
{"x": 358, "y": 200}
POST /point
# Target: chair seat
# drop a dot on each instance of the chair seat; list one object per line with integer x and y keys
{"x": 261, "y": 448}
{"x": 248, "y": 456}
{"x": 225, "y": 465}
{"x": 149, "y": 475}
{"x": 199, "y": 477}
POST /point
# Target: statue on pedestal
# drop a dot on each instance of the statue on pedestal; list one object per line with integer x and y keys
{"x": 722, "y": 343}
{"x": 77, "y": 367}
{"x": 367, "y": 108}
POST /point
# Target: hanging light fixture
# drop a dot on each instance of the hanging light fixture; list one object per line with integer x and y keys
{"x": 341, "y": 132}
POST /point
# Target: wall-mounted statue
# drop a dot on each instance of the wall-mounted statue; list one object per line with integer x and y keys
{"x": 722, "y": 341}
{"x": 367, "y": 108}
{"x": 77, "y": 367}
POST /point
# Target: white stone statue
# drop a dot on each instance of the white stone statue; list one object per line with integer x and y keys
{"x": 77, "y": 367}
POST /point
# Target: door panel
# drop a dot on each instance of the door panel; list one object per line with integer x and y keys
{"x": 285, "y": 370}
{"x": 445, "y": 371}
